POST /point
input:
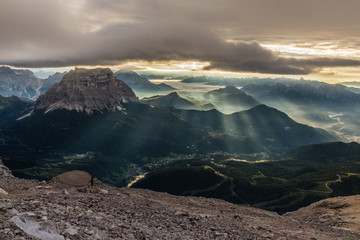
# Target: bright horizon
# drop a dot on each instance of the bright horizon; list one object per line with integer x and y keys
{"x": 341, "y": 75}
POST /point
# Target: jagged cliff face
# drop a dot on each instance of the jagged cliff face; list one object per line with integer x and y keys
{"x": 87, "y": 90}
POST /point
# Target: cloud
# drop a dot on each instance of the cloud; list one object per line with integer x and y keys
{"x": 281, "y": 65}
{"x": 51, "y": 33}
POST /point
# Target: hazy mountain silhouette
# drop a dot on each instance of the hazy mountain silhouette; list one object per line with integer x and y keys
{"x": 139, "y": 83}
{"x": 174, "y": 100}
{"x": 230, "y": 99}
{"x": 43, "y": 74}
{"x": 332, "y": 97}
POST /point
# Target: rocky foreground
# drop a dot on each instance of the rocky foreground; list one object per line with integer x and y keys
{"x": 58, "y": 210}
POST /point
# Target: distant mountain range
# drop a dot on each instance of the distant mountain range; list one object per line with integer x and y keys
{"x": 332, "y": 107}
{"x": 21, "y": 83}
{"x": 43, "y": 74}
{"x": 240, "y": 82}
{"x": 24, "y": 84}
{"x": 351, "y": 84}
{"x": 141, "y": 84}
{"x": 333, "y": 97}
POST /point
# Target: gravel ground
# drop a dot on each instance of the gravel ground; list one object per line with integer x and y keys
{"x": 30, "y": 209}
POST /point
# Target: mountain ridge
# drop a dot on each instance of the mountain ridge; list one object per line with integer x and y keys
{"x": 230, "y": 99}
{"x": 262, "y": 123}
{"x": 174, "y": 100}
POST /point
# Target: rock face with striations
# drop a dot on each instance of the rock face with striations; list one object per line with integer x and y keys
{"x": 87, "y": 90}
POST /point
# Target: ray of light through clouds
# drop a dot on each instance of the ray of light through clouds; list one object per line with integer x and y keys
{"x": 317, "y": 39}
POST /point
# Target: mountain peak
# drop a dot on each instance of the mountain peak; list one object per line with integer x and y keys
{"x": 231, "y": 88}
{"x": 228, "y": 90}
{"x": 173, "y": 94}
{"x": 126, "y": 70}
{"x": 263, "y": 107}
{"x": 139, "y": 83}
{"x": 265, "y": 110}
{"x": 86, "y": 90}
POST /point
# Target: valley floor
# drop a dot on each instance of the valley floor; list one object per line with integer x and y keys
{"x": 48, "y": 210}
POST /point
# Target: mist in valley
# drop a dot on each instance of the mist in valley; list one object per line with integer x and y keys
{"x": 337, "y": 115}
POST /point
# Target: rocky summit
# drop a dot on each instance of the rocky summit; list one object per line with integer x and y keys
{"x": 30, "y": 209}
{"x": 87, "y": 90}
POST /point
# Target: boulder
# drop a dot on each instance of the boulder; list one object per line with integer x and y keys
{"x": 74, "y": 178}
{"x": 4, "y": 171}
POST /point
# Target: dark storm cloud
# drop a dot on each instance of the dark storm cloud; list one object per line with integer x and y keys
{"x": 50, "y": 33}
{"x": 283, "y": 65}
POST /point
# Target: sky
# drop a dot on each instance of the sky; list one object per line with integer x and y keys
{"x": 314, "y": 39}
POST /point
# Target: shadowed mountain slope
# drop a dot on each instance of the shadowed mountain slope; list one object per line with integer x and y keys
{"x": 264, "y": 124}
{"x": 12, "y": 108}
